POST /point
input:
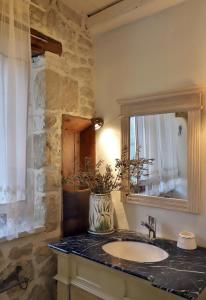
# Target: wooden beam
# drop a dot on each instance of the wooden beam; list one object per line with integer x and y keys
{"x": 36, "y": 51}
{"x": 41, "y": 43}
{"x": 125, "y": 12}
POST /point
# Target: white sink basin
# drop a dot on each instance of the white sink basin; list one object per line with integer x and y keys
{"x": 135, "y": 251}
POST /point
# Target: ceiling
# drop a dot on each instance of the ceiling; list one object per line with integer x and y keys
{"x": 90, "y": 7}
{"x": 106, "y": 15}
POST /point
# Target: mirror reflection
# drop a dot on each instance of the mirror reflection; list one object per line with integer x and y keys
{"x": 162, "y": 137}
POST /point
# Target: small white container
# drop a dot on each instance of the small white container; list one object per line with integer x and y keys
{"x": 186, "y": 240}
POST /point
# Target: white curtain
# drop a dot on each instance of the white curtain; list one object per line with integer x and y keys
{"x": 157, "y": 138}
{"x": 16, "y": 177}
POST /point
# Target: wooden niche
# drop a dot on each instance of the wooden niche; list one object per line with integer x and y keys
{"x": 78, "y": 145}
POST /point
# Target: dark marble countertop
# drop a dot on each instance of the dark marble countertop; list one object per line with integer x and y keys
{"x": 183, "y": 273}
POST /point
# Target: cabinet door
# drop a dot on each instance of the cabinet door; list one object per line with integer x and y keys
{"x": 87, "y": 147}
{"x": 79, "y": 294}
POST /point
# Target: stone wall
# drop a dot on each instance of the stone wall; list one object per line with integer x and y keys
{"x": 66, "y": 83}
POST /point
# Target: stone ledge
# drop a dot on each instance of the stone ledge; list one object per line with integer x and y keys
{"x": 24, "y": 234}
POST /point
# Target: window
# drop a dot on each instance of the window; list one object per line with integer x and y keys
{"x": 16, "y": 123}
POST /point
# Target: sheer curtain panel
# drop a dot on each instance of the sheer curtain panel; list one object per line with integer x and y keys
{"x": 16, "y": 176}
{"x": 156, "y": 137}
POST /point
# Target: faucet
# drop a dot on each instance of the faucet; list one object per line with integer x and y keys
{"x": 151, "y": 226}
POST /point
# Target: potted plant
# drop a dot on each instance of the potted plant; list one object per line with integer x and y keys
{"x": 101, "y": 181}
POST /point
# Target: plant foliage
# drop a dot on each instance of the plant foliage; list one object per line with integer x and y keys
{"x": 103, "y": 179}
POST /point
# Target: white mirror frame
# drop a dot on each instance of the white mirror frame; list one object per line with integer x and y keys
{"x": 190, "y": 101}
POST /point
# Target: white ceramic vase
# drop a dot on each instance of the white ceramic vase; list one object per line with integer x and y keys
{"x": 101, "y": 214}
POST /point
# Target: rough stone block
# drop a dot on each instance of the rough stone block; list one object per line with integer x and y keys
{"x": 39, "y": 210}
{"x": 69, "y": 13}
{"x": 43, "y": 3}
{"x": 59, "y": 27}
{"x": 50, "y": 267}
{"x": 53, "y": 86}
{"x": 63, "y": 30}
{"x": 62, "y": 92}
{"x": 39, "y": 90}
{"x": 38, "y": 122}
{"x": 84, "y": 51}
{"x": 48, "y": 180}
{"x": 2, "y": 261}
{"x": 18, "y": 252}
{"x": 42, "y": 253}
{"x": 39, "y": 150}
{"x": 39, "y": 293}
{"x": 83, "y": 61}
{"x": 29, "y": 272}
{"x": 51, "y": 21}
{"x": 52, "y": 220}
{"x": 87, "y": 111}
{"x": 82, "y": 73}
{"x": 91, "y": 61}
{"x": 69, "y": 94}
{"x": 71, "y": 58}
{"x": 53, "y": 149}
{"x": 50, "y": 120}
{"x": 87, "y": 92}
{"x": 37, "y": 16}
{"x": 84, "y": 42}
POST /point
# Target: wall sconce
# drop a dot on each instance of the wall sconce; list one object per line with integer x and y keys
{"x": 97, "y": 123}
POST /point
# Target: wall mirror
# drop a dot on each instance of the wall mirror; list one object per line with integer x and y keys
{"x": 166, "y": 129}
{"x": 162, "y": 137}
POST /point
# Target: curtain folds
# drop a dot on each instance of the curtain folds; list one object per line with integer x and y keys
{"x": 16, "y": 175}
{"x": 158, "y": 139}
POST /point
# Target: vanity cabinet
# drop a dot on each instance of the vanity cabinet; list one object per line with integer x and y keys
{"x": 82, "y": 279}
{"x": 77, "y": 294}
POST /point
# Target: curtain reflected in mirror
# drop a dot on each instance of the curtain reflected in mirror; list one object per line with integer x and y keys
{"x": 162, "y": 137}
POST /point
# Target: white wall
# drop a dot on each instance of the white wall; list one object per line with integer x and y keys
{"x": 164, "y": 52}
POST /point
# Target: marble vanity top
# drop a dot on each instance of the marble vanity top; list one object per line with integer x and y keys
{"x": 183, "y": 273}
